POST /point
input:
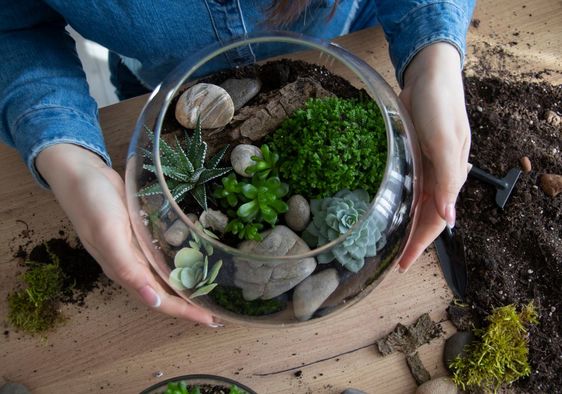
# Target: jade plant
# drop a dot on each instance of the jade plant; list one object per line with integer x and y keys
{"x": 335, "y": 216}
{"x": 192, "y": 267}
{"x": 251, "y": 203}
{"x": 332, "y": 144}
{"x": 501, "y": 353}
{"x": 186, "y": 170}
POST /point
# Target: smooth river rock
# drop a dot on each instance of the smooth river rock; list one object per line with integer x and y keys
{"x": 269, "y": 279}
{"x": 215, "y": 220}
{"x": 298, "y": 214}
{"x": 241, "y": 158}
{"x": 177, "y": 233}
{"x": 241, "y": 90}
{"x": 441, "y": 385}
{"x": 211, "y": 102}
{"x": 311, "y": 293}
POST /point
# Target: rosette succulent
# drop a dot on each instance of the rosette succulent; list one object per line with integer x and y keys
{"x": 192, "y": 268}
{"x": 186, "y": 170}
{"x": 334, "y": 216}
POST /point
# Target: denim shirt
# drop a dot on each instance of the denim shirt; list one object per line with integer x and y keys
{"x": 44, "y": 97}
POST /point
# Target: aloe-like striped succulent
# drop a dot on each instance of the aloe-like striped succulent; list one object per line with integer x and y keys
{"x": 185, "y": 169}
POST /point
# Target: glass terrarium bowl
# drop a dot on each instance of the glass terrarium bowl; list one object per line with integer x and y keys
{"x": 202, "y": 382}
{"x": 264, "y": 269}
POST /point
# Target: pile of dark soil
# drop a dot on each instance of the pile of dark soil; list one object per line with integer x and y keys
{"x": 515, "y": 255}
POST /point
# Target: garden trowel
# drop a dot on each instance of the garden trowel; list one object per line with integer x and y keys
{"x": 450, "y": 253}
{"x": 503, "y": 185}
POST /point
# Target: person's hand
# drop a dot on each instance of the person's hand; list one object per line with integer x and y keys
{"x": 93, "y": 197}
{"x": 434, "y": 96}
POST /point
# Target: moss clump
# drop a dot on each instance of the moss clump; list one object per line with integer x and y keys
{"x": 500, "y": 356}
{"x": 330, "y": 145}
{"x": 231, "y": 299}
{"x": 34, "y": 308}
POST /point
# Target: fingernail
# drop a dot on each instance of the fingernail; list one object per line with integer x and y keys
{"x": 150, "y": 296}
{"x": 450, "y": 215}
{"x": 403, "y": 270}
{"x": 215, "y": 325}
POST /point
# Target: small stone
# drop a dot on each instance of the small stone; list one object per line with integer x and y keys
{"x": 210, "y": 102}
{"x": 269, "y": 279}
{"x": 177, "y": 233}
{"x": 298, "y": 215}
{"x": 551, "y": 184}
{"x": 454, "y": 346}
{"x": 241, "y": 90}
{"x": 553, "y": 118}
{"x": 479, "y": 108}
{"x": 352, "y": 391}
{"x": 441, "y": 385}
{"x": 525, "y": 163}
{"x": 215, "y": 220}
{"x": 241, "y": 158}
{"x": 312, "y": 292}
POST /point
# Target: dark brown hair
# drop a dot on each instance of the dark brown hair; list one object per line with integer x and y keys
{"x": 283, "y": 12}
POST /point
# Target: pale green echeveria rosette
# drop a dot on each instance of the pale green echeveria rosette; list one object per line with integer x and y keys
{"x": 192, "y": 268}
{"x": 334, "y": 216}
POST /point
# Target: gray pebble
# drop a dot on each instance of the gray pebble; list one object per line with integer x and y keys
{"x": 241, "y": 90}
{"x": 441, "y": 385}
{"x": 298, "y": 215}
{"x": 241, "y": 158}
{"x": 211, "y": 103}
{"x": 455, "y": 344}
{"x": 177, "y": 233}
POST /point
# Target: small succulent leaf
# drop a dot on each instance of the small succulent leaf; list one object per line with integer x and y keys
{"x": 189, "y": 278}
{"x": 215, "y": 160}
{"x": 248, "y": 210}
{"x": 187, "y": 257}
{"x": 279, "y": 206}
{"x": 265, "y": 152}
{"x": 214, "y": 271}
{"x": 268, "y": 214}
{"x": 208, "y": 248}
{"x": 205, "y": 269}
{"x": 232, "y": 200}
{"x": 203, "y": 290}
{"x": 209, "y": 174}
{"x": 200, "y": 195}
{"x": 194, "y": 245}
{"x": 325, "y": 258}
{"x": 150, "y": 190}
{"x": 175, "y": 279}
{"x": 249, "y": 191}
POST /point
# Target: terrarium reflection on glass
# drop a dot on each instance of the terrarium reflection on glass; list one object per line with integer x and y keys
{"x": 276, "y": 192}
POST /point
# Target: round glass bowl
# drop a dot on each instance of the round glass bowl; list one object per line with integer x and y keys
{"x": 264, "y": 269}
{"x": 202, "y": 382}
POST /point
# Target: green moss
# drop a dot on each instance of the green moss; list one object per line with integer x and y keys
{"x": 500, "y": 356}
{"x": 231, "y": 299}
{"x": 330, "y": 145}
{"x": 33, "y": 309}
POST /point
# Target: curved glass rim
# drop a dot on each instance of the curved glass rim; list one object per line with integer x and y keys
{"x": 171, "y": 84}
{"x": 198, "y": 377}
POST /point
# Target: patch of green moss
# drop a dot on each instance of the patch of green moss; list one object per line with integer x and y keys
{"x": 332, "y": 144}
{"x": 501, "y": 353}
{"x": 33, "y": 309}
{"x": 231, "y": 299}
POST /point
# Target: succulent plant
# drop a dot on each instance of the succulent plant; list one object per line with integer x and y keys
{"x": 266, "y": 165}
{"x": 186, "y": 170}
{"x": 192, "y": 267}
{"x": 257, "y": 200}
{"x": 334, "y": 216}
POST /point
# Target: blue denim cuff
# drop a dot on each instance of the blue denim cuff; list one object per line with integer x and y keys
{"x": 44, "y": 126}
{"x": 428, "y": 24}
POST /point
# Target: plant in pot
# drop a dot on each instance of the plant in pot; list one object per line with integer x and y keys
{"x": 198, "y": 384}
{"x": 279, "y": 192}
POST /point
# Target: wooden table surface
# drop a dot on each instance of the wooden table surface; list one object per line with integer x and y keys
{"x": 115, "y": 345}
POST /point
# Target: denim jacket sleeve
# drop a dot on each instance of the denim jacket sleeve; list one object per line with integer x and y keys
{"x": 44, "y": 97}
{"x": 411, "y": 25}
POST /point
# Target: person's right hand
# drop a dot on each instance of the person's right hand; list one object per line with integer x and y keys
{"x": 93, "y": 197}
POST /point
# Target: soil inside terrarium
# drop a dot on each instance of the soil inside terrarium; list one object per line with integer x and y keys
{"x": 514, "y": 255}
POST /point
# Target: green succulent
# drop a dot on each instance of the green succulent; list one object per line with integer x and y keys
{"x": 257, "y": 200}
{"x": 264, "y": 165}
{"x": 192, "y": 267}
{"x": 334, "y": 216}
{"x": 182, "y": 388}
{"x": 185, "y": 169}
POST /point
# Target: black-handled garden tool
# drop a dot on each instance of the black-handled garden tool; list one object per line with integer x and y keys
{"x": 450, "y": 246}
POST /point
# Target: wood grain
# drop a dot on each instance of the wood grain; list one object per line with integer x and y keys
{"x": 115, "y": 345}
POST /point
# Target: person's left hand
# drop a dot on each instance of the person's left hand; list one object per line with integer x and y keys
{"x": 434, "y": 96}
